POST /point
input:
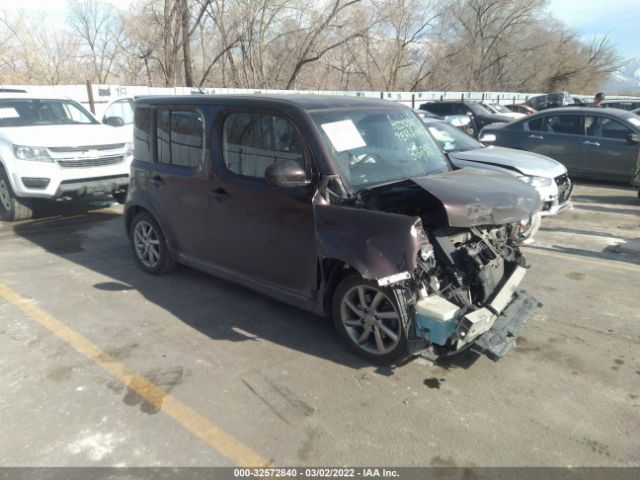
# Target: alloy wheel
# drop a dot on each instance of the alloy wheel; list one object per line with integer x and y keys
{"x": 370, "y": 319}
{"x": 147, "y": 244}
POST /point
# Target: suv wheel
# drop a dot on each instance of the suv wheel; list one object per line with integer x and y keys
{"x": 11, "y": 207}
{"x": 368, "y": 320}
{"x": 149, "y": 245}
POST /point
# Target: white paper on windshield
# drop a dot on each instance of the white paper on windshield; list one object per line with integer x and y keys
{"x": 635, "y": 121}
{"x": 343, "y": 135}
{"x": 9, "y": 112}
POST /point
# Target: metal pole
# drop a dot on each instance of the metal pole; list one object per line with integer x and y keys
{"x": 92, "y": 104}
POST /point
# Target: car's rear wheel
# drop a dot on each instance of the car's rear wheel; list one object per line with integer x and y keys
{"x": 12, "y": 207}
{"x": 149, "y": 245}
{"x": 368, "y": 320}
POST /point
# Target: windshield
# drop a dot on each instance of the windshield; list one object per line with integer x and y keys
{"x": 500, "y": 108}
{"x": 26, "y": 112}
{"x": 450, "y": 139}
{"x": 374, "y": 146}
{"x": 479, "y": 109}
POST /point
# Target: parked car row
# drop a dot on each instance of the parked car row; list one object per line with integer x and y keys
{"x": 480, "y": 116}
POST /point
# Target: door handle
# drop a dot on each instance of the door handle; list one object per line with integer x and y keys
{"x": 589, "y": 142}
{"x": 537, "y": 137}
{"x": 158, "y": 181}
{"x": 220, "y": 194}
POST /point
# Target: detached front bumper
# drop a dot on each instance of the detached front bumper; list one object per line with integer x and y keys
{"x": 499, "y": 339}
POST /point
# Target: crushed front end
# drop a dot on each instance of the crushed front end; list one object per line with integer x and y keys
{"x": 466, "y": 292}
{"x": 463, "y": 290}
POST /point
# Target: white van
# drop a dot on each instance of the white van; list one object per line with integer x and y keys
{"x": 53, "y": 148}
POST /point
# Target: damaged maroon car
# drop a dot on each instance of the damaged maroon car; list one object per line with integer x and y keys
{"x": 341, "y": 206}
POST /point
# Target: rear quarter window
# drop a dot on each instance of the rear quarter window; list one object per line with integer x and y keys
{"x": 142, "y": 134}
{"x": 180, "y": 138}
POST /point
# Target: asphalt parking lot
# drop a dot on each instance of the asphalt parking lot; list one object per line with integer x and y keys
{"x": 102, "y": 364}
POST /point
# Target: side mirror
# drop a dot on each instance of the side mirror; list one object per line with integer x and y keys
{"x": 634, "y": 138}
{"x": 286, "y": 173}
{"x": 114, "y": 121}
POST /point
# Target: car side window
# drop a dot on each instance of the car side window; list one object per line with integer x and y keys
{"x": 603, "y": 127}
{"x": 535, "y": 124}
{"x": 142, "y": 134}
{"x": 179, "y": 137}
{"x": 567, "y": 124}
{"x": 251, "y": 142}
{"x": 122, "y": 109}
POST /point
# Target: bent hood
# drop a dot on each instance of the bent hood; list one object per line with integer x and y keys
{"x": 526, "y": 163}
{"x": 472, "y": 197}
{"x": 64, "y": 135}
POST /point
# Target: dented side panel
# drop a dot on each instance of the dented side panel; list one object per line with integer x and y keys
{"x": 377, "y": 244}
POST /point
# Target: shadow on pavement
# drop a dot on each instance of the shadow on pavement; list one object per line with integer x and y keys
{"x": 219, "y": 309}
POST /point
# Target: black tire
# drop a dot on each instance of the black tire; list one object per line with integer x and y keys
{"x": 150, "y": 249}
{"x": 12, "y": 208}
{"x": 395, "y": 350}
{"x": 120, "y": 197}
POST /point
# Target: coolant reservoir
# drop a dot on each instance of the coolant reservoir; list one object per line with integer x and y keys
{"x": 436, "y": 317}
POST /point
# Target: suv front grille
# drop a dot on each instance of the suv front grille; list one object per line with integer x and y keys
{"x": 90, "y": 162}
{"x": 564, "y": 187}
{"x": 85, "y": 148}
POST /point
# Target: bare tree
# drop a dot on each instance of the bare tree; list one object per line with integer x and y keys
{"x": 99, "y": 30}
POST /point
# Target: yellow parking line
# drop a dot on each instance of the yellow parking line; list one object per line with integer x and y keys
{"x": 207, "y": 431}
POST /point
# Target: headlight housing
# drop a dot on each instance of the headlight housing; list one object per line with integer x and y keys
{"x": 37, "y": 154}
{"x": 537, "y": 181}
{"x": 128, "y": 149}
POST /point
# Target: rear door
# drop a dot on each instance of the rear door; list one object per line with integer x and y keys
{"x": 557, "y": 136}
{"x": 178, "y": 177}
{"x": 607, "y": 153}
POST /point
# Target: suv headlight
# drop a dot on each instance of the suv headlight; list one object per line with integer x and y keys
{"x": 128, "y": 147}
{"x": 37, "y": 154}
{"x": 537, "y": 181}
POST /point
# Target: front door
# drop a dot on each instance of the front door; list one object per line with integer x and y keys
{"x": 259, "y": 230}
{"x": 607, "y": 153}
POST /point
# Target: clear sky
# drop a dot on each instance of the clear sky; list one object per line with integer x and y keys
{"x": 619, "y": 19}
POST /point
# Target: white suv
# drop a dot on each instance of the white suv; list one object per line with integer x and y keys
{"x": 53, "y": 148}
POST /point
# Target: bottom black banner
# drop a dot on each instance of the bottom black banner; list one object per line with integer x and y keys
{"x": 391, "y": 473}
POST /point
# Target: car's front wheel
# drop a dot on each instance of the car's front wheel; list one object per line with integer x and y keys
{"x": 12, "y": 207}
{"x": 368, "y": 320}
{"x": 149, "y": 245}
